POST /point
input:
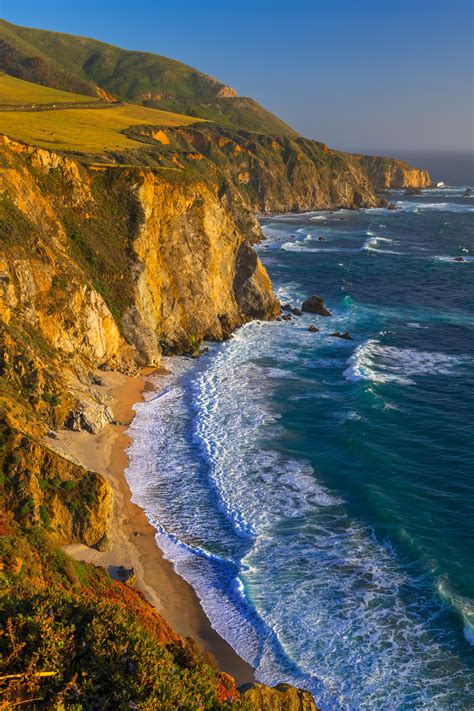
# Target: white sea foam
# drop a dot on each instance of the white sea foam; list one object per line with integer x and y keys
{"x": 383, "y": 364}
{"x": 420, "y": 206}
{"x": 451, "y": 260}
{"x": 463, "y": 606}
{"x": 283, "y": 571}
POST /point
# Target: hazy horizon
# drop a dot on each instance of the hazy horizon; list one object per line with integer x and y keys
{"x": 361, "y": 76}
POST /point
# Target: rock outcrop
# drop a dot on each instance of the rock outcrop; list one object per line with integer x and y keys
{"x": 315, "y": 305}
{"x": 279, "y": 698}
{"x": 44, "y": 488}
{"x": 385, "y": 173}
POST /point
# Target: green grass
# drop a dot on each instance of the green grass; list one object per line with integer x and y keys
{"x": 16, "y": 92}
{"x": 84, "y": 130}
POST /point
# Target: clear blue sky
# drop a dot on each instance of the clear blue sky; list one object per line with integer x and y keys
{"x": 357, "y": 74}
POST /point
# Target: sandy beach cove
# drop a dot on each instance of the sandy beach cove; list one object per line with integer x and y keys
{"x": 132, "y": 537}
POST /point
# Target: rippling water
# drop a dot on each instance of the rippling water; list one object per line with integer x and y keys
{"x": 317, "y": 493}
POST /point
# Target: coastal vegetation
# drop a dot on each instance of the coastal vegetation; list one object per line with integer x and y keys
{"x": 73, "y": 638}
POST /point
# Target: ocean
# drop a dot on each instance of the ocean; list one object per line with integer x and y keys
{"x": 318, "y": 492}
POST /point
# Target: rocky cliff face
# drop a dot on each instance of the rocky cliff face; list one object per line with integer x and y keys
{"x": 275, "y": 173}
{"x": 45, "y": 489}
{"x": 385, "y": 173}
{"x": 109, "y": 267}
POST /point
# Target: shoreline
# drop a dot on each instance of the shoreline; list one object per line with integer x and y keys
{"x": 132, "y": 537}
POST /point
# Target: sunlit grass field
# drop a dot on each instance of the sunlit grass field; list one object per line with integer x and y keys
{"x": 16, "y": 92}
{"x": 79, "y": 130}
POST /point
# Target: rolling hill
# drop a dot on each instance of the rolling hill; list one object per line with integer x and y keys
{"x": 90, "y": 67}
{"x": 60, "y": 120}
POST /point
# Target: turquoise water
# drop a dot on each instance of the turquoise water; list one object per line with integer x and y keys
{"x": 318, "y": 493}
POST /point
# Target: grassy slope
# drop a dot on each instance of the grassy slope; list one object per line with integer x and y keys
{"x": 82, "y": 130}
{"x": 16, "y": 92}
{"x": 66, "y": 61}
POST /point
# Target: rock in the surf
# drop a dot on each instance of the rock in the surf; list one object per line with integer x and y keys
{"x": 346, "y": 335}
{"x": 292, "y": 309}
{"x": 315, "y": 305}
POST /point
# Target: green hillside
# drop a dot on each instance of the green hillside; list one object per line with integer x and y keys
{"x": 81, "y": 65}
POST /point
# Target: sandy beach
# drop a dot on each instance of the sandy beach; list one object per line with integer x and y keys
{"x": 132, "y": 538}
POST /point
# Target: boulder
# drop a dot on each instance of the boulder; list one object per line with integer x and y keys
{"x": 315, "y": 305}
{"x": 467, "y": 192}
{"x": 313, "y": 328}
{"x": 321, "y": 238}
{"x": 346, "y": 335}
{"x": 460, "y": 259}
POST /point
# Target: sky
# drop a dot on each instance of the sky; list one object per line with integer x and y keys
{"x": 360, "y": 75}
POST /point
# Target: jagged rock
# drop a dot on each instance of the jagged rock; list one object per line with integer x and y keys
{"x": 279, "y": 698}
{"x": 313, "y": 329}
{"x": 292, "y": 309}
{"x": 346, "y": 335}
{"x": 315, "y": 305}
{"x": 88, "y": 415}
{"x": 459, "y": 259}
{"x": 323, "y": 239}
{"x": 467, "y": 192}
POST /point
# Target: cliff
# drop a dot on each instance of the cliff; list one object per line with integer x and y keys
{"x": 271, "y": 174}
{"x": 280, "y": 698}
{"x": 109, "y": 267}
{"x": 386, "y": 173}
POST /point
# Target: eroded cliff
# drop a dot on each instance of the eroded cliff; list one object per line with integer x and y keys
{"x": 109, "y": 267}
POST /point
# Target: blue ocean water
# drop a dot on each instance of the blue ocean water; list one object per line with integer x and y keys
{"x": 317, "y": 492}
